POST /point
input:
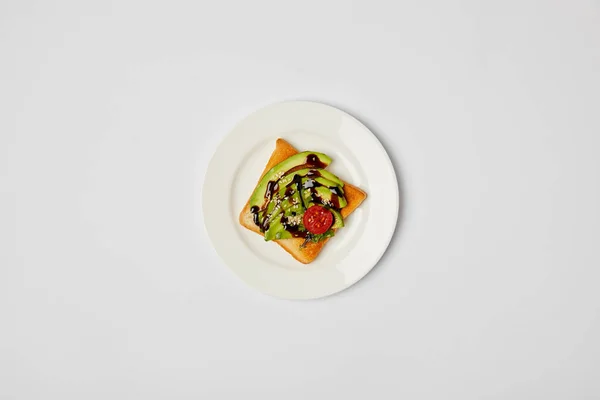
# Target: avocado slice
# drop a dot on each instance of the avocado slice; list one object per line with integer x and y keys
{"x": 277, "y": 231}
{"x": 313, "y": 173}
{"x": 338, "y": 221}
{"x": 324, "y": 195}
{"x": 316, "y": 182}
{"x": 267, "y": 217}
{"x": 288, "y": 192}
{"x": 293, "y": 204}
{"x": 309, "y": 158}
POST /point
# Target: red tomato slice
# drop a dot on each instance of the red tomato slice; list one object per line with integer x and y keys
{"x": 317, "y": 219}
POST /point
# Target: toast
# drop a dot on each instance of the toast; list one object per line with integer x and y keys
{"x": 311, "y": 250}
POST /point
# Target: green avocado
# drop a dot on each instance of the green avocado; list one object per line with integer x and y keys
{"x": 321, "y": 182}
{"x": 311, "y": 173}
{"x": 276, "y": 231}
{"x": 324, "y": 194}
{"x": 338, "y": 221}
{"x": 271, "y": 216}
{"x": 287, "y": 193}
{"x": 295, "y": 204}
{"x": 308, "y": 158}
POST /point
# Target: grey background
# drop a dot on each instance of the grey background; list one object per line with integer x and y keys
{"x": 109, "y": 287}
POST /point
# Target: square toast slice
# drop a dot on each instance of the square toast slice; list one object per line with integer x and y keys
{"x": 308, "y": 253}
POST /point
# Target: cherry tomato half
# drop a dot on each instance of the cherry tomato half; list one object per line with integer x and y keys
{"x": 317, "y": 219}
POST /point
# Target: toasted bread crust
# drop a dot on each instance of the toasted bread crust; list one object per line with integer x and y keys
{"x": 308, "y": 253}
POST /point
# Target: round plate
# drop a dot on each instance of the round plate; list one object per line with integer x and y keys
{"x": 358, "y": 158}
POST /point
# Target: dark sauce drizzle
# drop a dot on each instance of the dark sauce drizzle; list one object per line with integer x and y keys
{"x": 298, "y": 182}
{"x": 313, "y": 159}
{"x": 335, "y": 200}
{"x": 272, "y": 187}
{"x": 336, "y": 190}
{"x": 254, "y": 211}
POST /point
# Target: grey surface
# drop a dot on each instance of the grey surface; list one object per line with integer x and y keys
{"x": 109, "y": 287}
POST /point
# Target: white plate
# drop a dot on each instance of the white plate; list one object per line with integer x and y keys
{"x": 358, "y": 158}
